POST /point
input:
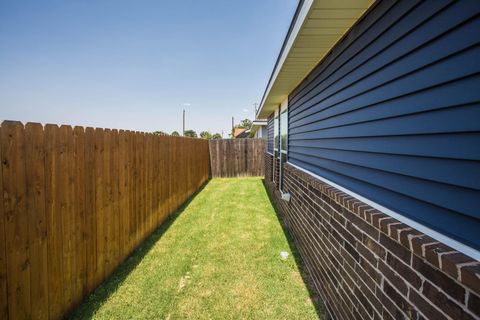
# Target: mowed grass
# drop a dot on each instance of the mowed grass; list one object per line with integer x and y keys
{"x": 217, "y": 258}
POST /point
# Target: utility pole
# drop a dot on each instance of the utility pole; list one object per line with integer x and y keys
{"x": 255, "y": 108}
{"x": 183, "y": 122}
{"x": 232, "y": 126}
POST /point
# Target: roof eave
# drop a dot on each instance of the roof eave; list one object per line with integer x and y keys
{"x": 315, "y": 29}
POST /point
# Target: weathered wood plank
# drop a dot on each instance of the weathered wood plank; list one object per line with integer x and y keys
{"x": 66, "y": 198}
{"x": 16, "y": 220}
{"x": 108, "y": 205}
{"x": 79, "y": 213}
{"x": 3, "y": 257}
{"x": 99, "y": 204}
{"x": 90, "y": 228}
{"x": 54, "y": 222}
{"x": 37, "y": 227}
{"x": 236, "y": 157}
{"x": 122, "y": 199}
{"x": 76, "y": 202}
{"x": 115, "y": 208}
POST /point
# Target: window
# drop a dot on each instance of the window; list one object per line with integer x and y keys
{"x": 276, "y": 140}
{"x": 283, "y": 143}
{"x": 283, "y": 130}
{"x": 275, "y": 133}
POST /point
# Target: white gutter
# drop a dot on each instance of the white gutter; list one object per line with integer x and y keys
{"x": 307, "y": 4}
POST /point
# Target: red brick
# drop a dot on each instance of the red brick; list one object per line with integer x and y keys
{"x": 354, "y": 314}
{"x": 425, "y": 307}
{"x": 354, "y": 231}
{"x": 367, "y": 254}
{"x": 376, "y": 219}
{"x": 374, "y": 246}
{"x": 393, "y": 312}
{"x": 474, "y": 304}
{"x": 451, "y": 260}
{"x": 400, "y": 301}
{"x": 385, "y": 222}
{"x": 373, "y": 300}
{"x": 362, "y": 309}
{"x": 439, "y": 299}
{"x": 365, "y": 227}
{"x": 348, "y": 258}
{"x": 386, "y": 315}
{"x": 470, "y": 276}
{"x": 368, "y": 213}
{"x": 352, "y": 251}
{"x": 349, "y": 269}
{"x": 370, "y": 269}
{"x": 394, "y": 230}
{"x": 359, "y": 208}
{"x": 336, "y": 207}
{"x": 396, "y": 248}
{"x": 348, "y": 202}
{"x": 450, "y": 286}
{"x": 417, "y": 244}
{"x": 393, "y": 278}
{"x": 405, "y": 271}
{"x": 347, "y": 279}
{"x": 406, "y": 235}
{"x": 432, "y": 252}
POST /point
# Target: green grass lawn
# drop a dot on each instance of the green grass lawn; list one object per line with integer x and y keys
{"x": 217, "y": 258}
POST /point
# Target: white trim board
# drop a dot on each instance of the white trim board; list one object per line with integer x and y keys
{"x": 469, "y": 251}
{"x": 293, "y": 35}
{"x": 284, "y": 105}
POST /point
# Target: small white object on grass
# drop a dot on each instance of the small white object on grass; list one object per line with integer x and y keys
{"x": 284, "y": 255}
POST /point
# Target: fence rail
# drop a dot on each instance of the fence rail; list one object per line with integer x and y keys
{"x": 237, "y": 157}
{"x": 75, "y": 202}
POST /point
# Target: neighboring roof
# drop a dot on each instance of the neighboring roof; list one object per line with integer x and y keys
{"x": 243, "y": 135}
{"x": 316, "y": 27}
{"x": 238, "y": 131}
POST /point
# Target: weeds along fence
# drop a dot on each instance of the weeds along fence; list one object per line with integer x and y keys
{"x": 237, "y": 157}
{"x": 76, "y": 202}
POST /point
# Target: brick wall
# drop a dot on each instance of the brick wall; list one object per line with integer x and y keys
{"x": 277, "y": 172}
{"x": 367, "y": 265}
{"x": 270, "y": 171}
{"x": 268, "y": 168}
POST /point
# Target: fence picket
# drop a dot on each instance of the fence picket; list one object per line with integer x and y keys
{"x": 37, "y": 228}
{"x": 236, "y": 157}
{"x": 75, "y": 203}
{"x": 16, "y": 220}
{"x": 3, "y": 257}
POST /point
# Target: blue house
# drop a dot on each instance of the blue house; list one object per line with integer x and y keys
{"x": 373, "y": 154}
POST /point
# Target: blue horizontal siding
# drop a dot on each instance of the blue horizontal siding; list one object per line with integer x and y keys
{"x": 464, "y": 228}
{"x": 270, "y": 134}
{"x": 393, "y": 114}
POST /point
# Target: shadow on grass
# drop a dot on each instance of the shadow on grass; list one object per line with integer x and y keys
{"x": 100, "y": 295}
{"x": 307, "y": 279}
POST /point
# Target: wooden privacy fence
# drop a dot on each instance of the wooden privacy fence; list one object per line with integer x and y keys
{"x": 237, "y": 157}
{"x": 76, "y": 202}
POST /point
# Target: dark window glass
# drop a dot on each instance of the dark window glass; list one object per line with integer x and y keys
{"x": 275, "y": 133}
{"x": 284, "y": 129}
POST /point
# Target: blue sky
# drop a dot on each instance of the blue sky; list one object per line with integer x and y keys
{"x": 135, "y": 64}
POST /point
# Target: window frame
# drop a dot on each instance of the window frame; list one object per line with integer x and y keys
{"x": 276, "y": 131}
{"x": 283, "y": 154}
{"x": 284, "y": 151}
